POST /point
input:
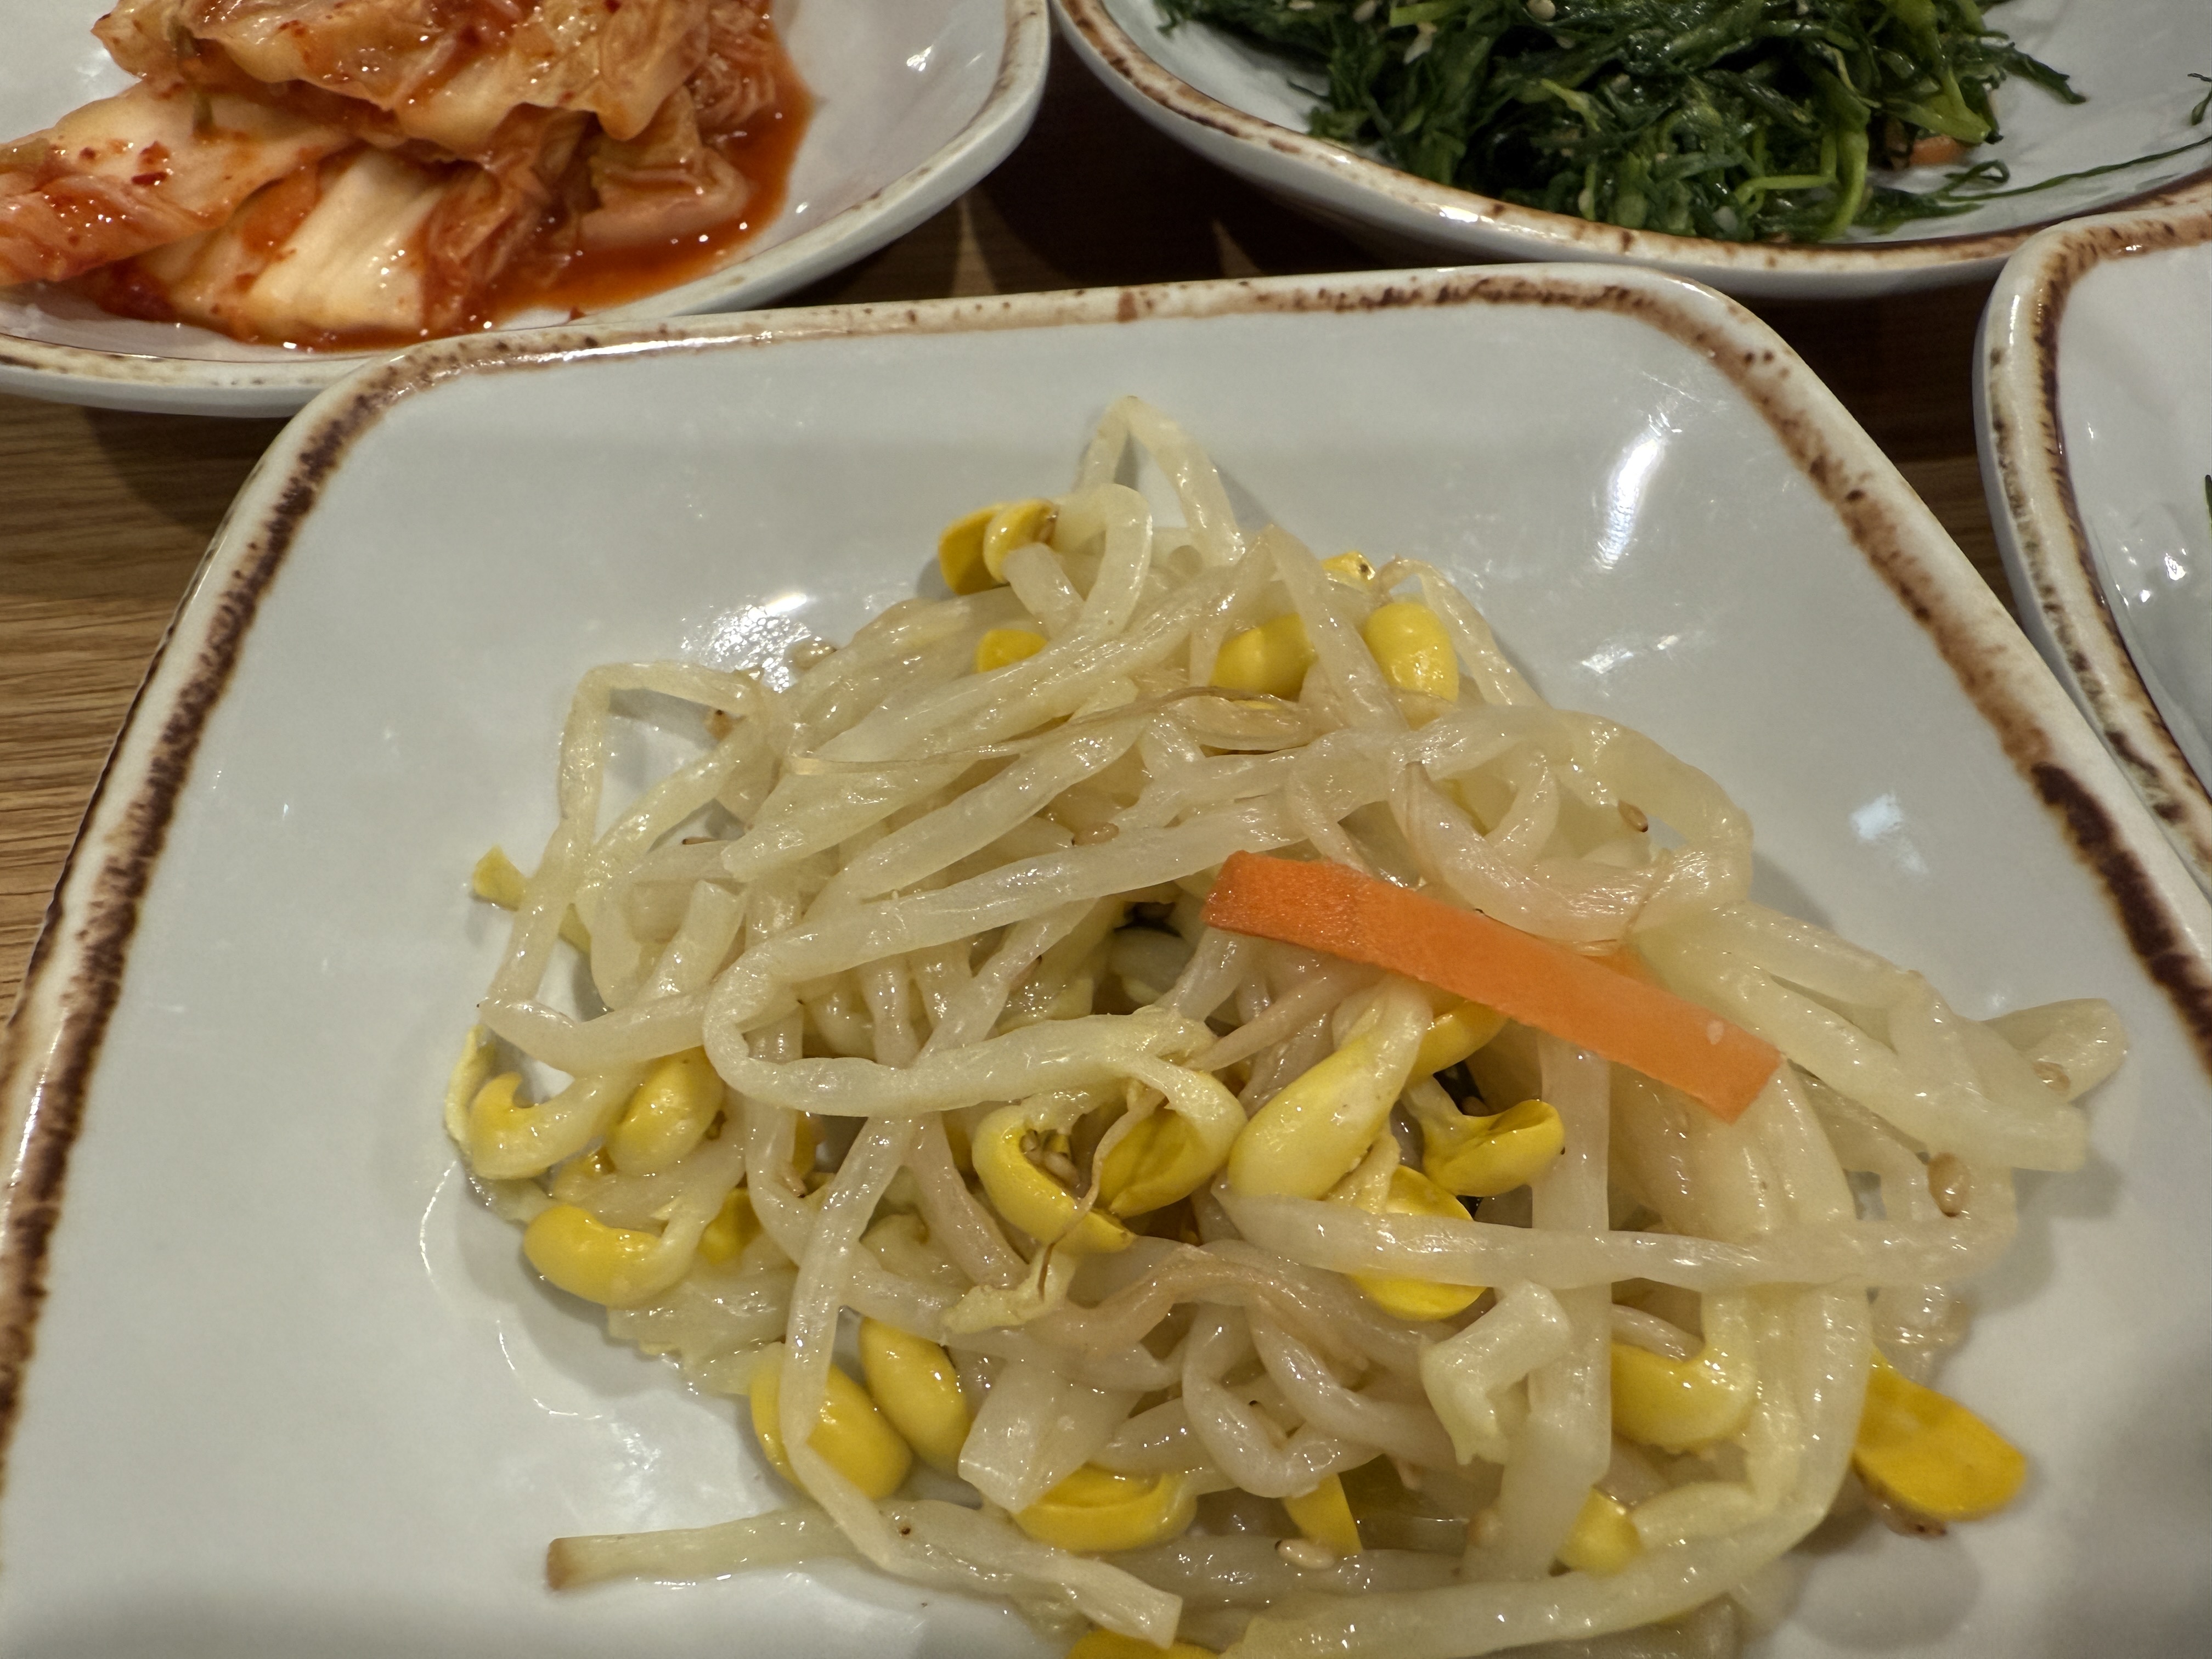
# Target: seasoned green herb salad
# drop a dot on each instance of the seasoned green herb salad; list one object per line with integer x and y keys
{"x": 1747, "y": 120}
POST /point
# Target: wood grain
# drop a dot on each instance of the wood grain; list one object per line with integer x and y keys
{"x": 104, "y": 516}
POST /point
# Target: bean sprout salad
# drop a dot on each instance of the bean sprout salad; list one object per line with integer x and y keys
{"x": 1180, "y": 1092}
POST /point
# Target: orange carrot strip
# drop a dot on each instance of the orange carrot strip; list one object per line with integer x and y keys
{"x": 1327, "y": 907}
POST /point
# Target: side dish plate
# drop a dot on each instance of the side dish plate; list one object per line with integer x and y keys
{"x": 288, "y": 1376}
{"x": 914, "y": 101}
{"x": 1245, "y": 110}
{"x": 2094, "y": 400}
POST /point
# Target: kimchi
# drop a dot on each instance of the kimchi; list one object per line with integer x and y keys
{"x": 331, "y": 172}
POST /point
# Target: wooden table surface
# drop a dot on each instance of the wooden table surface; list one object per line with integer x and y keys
{"x": 104, "y": 516}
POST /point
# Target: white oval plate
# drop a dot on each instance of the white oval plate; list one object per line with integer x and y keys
{"x": 1235, "y": 105}
{"x": 914, "y": 101}
{"x": 290, "y": 1377}
{"x": 2093, "y": 405}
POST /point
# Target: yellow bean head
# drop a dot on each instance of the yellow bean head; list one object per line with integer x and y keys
{"x": 1015, "y": 524}
{"x": 960, "y": 552}
{"x": 851, "y": 1435}
{"x": 668, "y": 1114}
{"x": 1930, "y": 1453}
{"x": 1096, "y": 1511}
{"x": 735, "y": 1226}
{"x": 615, "y": 1266}
{"x": 1324, "y": 1515}
{"x": 1455, "y": 1033}
{"x": 1028, "y": 1197}
{"x": 1684, "y": 1404}
{"x": 497, "y": 880}
{"x": 1002, "y": 646}
{"x": 1411, "y": 647}
{"x": 917, "y": 1387}
{"x": 1412, "y": 1192}
{"x": 1603, "y": 1540}
{"x": 1318, "y": 1127}
{"x": 1165, "y": 1157}
{"x": 1482, "y": 1156}
{"x": 1271, "y": 660}
{"x": 496, "y": 1116}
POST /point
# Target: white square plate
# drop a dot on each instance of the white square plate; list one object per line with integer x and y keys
{"x": 2094, "y": 406}
{"x": 294, "y": 1390}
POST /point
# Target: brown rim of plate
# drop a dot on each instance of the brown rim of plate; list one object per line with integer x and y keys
{"x": 2027, "y": 448}
{"x": 75, "y": 976}
{"x": 1553, "y": 234}
{"x": 1026, "y": 44}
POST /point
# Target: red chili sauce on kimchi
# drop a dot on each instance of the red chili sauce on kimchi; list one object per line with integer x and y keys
{"x": 363, "y": 172}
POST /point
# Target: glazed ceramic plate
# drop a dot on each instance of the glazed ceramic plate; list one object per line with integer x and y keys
{"x": 289, "y": 1375}
{"x": 1246, "y": 110}
{"x": 2095, "y": 404}
{"x": 914, "y": 101}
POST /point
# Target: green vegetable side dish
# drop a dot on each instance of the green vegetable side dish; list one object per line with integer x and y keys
{"x": 1744, "y": 120}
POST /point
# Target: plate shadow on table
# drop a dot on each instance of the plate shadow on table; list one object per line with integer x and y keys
{"x": 188, "y": 471}
{"x": 104, "y": 517}
{"x": 1094, "y": 198}
{"x": 176, "y": 474}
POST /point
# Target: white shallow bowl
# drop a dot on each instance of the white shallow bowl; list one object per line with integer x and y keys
{"x": 2093, "y": 402}
{"x": 1236, "y": 104}
{"x": 289, "y": 1375}
{"x": 914, "y": 101}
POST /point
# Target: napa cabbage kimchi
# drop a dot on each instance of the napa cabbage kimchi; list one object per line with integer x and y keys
{"x": 329, "y": 173}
